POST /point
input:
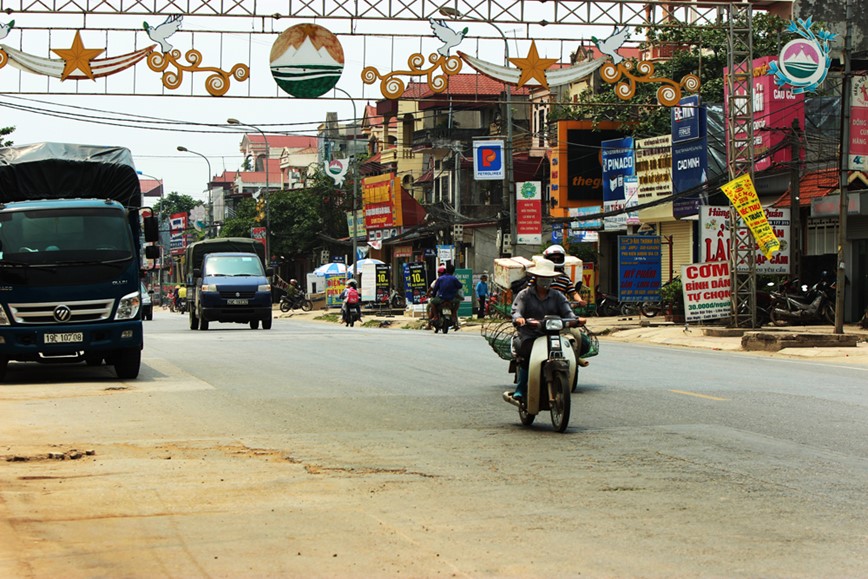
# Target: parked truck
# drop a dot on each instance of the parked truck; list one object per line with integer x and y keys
{"x": 71, "y": 256}
{"x": 227, "y": 281}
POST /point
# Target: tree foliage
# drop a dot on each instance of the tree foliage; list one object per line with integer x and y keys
{"x": 699, "y": 50}
{"x": 174, "y": 203}
{"x": 5, "y": 132}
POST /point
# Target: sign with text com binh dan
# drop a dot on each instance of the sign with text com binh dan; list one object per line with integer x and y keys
{"x": 706, "y": 291}
{"x": 742, "y": 195}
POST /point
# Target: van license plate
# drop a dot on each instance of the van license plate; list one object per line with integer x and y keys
{"x": 66, "y": 338}
{"x": 237, "y": 302}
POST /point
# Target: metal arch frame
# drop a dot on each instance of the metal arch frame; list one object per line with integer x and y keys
{"x": 544, "y": 12}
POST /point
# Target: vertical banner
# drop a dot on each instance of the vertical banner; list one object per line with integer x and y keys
{"x": 488, "y": 162}
{"x": 639, "y": 266}
{"x": 631, "y": 199}
{"x": 528, "y": 213}
{"x": 742, "y": 195}
{"x": 383, "y": 283}
{"x": 465, "y": 276}
{"x": 258, "y": 233}
{"x": 617, "y": 155}
{"x": 689, "y": 154}
{"x": 415, "y": 283}
{"x": 334, "y": 285}
{"x": 706, "y": 291}
{"x": 859, "y": 124}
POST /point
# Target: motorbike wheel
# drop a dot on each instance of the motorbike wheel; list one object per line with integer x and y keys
{"x": 828, "y": 314}
{"x": 284, "y": 306}
{"x": 649, "y": 309}
{"x": 306, "y": 305}
{"x": 399, "y": 302}
{"x": 607, "y": 308}
{"x": 775, "y": 317}
{"x": 560, "y": 402}
{"x": 629, "y": 309}
{"x": 526, "y": 419}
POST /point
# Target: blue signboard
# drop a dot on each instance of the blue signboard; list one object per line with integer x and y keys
{"x": 689, "y": 171}
{"x": 686, "y": 119}
{"x": 488, "y": 160}
{"x": 618, "y": 162}
{"x": 639, "y": 266}
{"x": 581, "y": 212}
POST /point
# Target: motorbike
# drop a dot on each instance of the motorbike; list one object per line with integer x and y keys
{"x": 350, "y": 315}
{"x": 551, "y": 375}
{"x": 815, "y": 304}
{"x": 293, "y": 303}
{"x": 609, "y": 305}
{"x": 649, "y": 309}
{"x": 442, "y": 317}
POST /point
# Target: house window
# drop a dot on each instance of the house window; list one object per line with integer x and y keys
{"x": 822, "y": 237}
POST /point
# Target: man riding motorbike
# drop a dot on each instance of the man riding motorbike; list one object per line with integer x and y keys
{"x": 558, "y": 255}
{"x": 351, "y": 301}
{"x": 447, "y": 288}
{"x": 535, "y": 302}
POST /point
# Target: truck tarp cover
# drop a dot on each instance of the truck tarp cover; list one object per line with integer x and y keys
{"x": 196, "y": 252}
{"x": 67, "y": 171}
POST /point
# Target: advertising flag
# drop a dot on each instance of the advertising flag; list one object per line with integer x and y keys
{"x": 742, "y": 195}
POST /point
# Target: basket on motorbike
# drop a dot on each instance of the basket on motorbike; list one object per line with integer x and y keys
{"x": 499, "y": 334}
{"x": 592, "y": 341}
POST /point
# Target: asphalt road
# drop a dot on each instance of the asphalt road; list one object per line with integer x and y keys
{"x": 323, "y": 451}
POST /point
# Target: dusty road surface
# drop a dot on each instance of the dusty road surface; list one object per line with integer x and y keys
{"x": 319, "y": 451}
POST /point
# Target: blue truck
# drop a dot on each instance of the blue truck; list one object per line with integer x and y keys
{"x": 227, "y": 282}
{"x": 71, "y": 226}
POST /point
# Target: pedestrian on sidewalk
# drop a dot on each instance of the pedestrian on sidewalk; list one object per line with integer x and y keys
{"x": 482, "y": 295}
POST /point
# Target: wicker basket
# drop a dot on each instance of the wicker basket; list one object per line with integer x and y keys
{"x": 499, "y": 333}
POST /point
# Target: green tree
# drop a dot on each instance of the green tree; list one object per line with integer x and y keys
{"x": 174, "y": 203}
{"x": 5, "y": 132}
{"x": 245, "y": 219}
{"x": 699, "y": 50}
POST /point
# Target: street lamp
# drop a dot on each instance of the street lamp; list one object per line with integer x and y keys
{"x": 210, "y": 200}
{"x": 265, "y": 165}
{"x": 355, "y": 183}
{"x": 507, "y": 173}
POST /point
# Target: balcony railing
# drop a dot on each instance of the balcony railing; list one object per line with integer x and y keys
{"x": 428, "y": 138}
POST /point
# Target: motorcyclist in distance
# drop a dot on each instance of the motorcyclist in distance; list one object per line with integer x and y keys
{"x": 447, "y": 288}
{"x": 431, "y": 294}
{"x": 351, "y": 300}
{"x": 535, "y": 302}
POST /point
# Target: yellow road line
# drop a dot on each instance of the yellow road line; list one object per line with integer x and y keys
{"x": 698, "y": 395}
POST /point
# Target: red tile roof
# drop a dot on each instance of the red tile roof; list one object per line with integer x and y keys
{"x": 471, "y": 85}
{"x": 812, "y": 185}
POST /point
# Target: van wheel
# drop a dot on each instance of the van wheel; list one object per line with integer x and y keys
{"x": 254, "y": 324}
{"x": 93, "y": 360}
{"x": 127, "y": 363}
{"x": 266, "y": 324}
{"x": 194, "y": 321}
{"x": 4, "y": 362}
{"x": 203, "y": 324}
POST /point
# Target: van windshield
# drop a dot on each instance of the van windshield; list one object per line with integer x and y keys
{"x": 233, "y": 265}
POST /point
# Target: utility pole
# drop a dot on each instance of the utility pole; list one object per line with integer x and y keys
{"x": 795, "y": 212}
{"x": 844, "y": 166}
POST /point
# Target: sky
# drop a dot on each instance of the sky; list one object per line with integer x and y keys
{"x": 125, "y": 110}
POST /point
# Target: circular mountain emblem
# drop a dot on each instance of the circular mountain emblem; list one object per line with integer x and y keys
{"x": 801, "y": 59}
{"x": 307, "y": 60}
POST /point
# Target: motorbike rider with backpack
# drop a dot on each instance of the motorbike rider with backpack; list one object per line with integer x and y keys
{"x": 535, "y": 302}
{"x": 351, "y": 300}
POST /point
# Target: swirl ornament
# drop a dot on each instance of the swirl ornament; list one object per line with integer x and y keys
{"x": 393, "y": 87}
{"x": 668, "y": 94}
{"x": 4, "y": 58}
{"x": 217, "y": 84}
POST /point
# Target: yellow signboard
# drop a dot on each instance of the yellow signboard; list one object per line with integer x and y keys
{"x": 742, "y": 195}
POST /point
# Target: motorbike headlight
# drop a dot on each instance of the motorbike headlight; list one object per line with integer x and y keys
{"x": 555, "y": 325}
{"x": 4, "y": 321}
{"x": 128, "y": 307}
{"x": 264, "y": 288}
{"x": 209, "y": 287}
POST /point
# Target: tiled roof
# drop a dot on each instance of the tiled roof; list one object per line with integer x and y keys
{"x": 812, "y": 185}
{"x": 471, "y": 85}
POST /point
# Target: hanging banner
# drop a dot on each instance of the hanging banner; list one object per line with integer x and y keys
{"x": 631, "y": 199}
{"x": 859, "y": 124}
{"x": 488, "y": 162}
{"x": 581, "y": 212}
{"x": 617, "y": 155}
{"x": 706, "y": 291}
{"x": 742, "y": 195}
{"x": 714, "y": 243}
{"x": 528, "y": 213}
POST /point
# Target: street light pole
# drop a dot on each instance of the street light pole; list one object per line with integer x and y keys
{"x": 267, "y": 208}
{"x": 355, "y": 184}
{"x": 210, "y": 200}
{"x": 507, "y": 173}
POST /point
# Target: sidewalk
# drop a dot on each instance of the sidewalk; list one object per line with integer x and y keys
{"x": 655, "y": 331}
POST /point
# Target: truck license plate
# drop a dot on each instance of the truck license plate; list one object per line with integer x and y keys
{"x": 66, "y": 338}
{"x": 237, "y": 302}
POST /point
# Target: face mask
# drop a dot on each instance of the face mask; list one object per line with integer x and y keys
{"x": 544, "y": 282}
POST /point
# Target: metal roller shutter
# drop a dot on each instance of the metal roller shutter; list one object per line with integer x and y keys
{"x": 682, "y": 246}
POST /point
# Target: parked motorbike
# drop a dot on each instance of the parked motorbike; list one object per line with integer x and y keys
{"x": 551, "y": 375}
{"x": 293, "y": 303}
{"x": 812, "y": 305}
{"x": 649, "y": 309}
{"x": 442, "y": 318}
{"x": 607, "y": 304}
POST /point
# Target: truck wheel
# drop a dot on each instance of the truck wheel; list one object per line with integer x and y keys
{"x": 4, "y": 362}
{"x": 194, "y": 321}
{"x": 254, "y": 324}
{"x": 93, "y": 360}
{"x": 127, "y": 363}
{"x": 203, "y": 324}
{"x": 266, "y": 324}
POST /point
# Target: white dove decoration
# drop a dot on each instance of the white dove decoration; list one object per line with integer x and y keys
{"x": 450, "y": 38}
{"x": 5, "y": 28}
{"x": 163, "y": 31}
{"x": 613, "y": 43}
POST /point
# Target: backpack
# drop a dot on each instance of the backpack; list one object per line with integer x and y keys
{"x": 352, "y": 296}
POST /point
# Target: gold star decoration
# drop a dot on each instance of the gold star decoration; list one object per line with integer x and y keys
{"x": 533, "y": 67}
{"x": 77, "y": 57}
